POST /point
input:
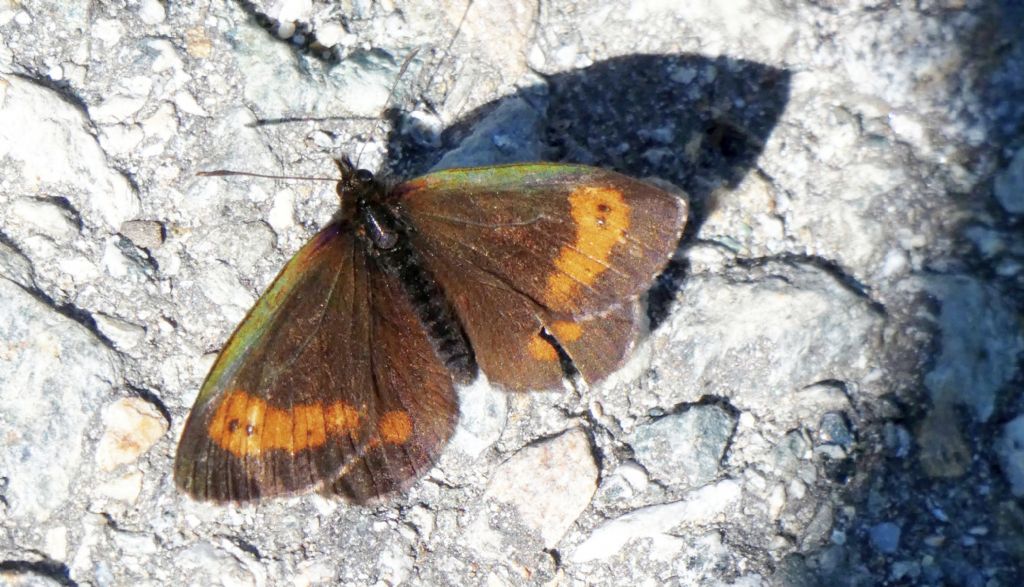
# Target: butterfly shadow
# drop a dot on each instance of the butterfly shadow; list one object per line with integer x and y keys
{"x": 697, "y": 122}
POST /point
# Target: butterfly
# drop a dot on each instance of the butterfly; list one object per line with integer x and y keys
{"x": 341, "y": 379}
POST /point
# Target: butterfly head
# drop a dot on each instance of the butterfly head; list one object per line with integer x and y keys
{"x": 356, "y": 186}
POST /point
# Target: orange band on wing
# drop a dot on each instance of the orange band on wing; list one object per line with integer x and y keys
{"x": 395, "y": 427}
{"x": 601, "y": 216}
{"x": 245, "y": 425}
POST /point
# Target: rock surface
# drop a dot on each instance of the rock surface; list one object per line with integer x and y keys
{"x": 830, "y": 393}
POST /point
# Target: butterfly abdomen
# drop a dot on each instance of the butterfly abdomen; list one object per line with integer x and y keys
{"x": 391, "y": 250}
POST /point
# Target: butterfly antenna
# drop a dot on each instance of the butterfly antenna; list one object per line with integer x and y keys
{"x": 448, "y": 48}
{"x": 387, "y": 102}
{"x": 227, "y": 172}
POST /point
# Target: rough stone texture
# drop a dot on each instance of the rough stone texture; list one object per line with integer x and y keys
{"x": 53, "y": 373}
{"x": 550, "y": 484}
{"x": 848, "y": 291}
{"x": 684, "y": 449}
{"x": 131, "y": 427}
{"x": 1011, "y": 454}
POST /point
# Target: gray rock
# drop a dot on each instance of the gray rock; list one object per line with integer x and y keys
{"x": 509, "y": 134}
{"x": 1010, "y": 448}
{"x": 759, "y": 336}
{"x": 53, "y": 376}
{"x": 1009, "y": 185}
{"x": 51, "y": 141}
{"x": 834, "y": 428}
{"x": 685, "y": 449}
{"x": 242, "y": 247}
{"x": 981, "y": 343}
{"x": 885, "y": 537}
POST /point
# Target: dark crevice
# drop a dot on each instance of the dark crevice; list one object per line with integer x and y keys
{"x": 849, "y": 282}
{"x": 153, "y": 400}
{"x": 72, "y": 312}
{"x": 55, "y": 571}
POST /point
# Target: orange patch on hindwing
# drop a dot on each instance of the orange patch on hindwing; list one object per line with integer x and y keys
{"x": 566, "y": 331}
{"x": 601, "y": 218}
{"x": 541, "y": 349}
{"x": 246, "y": 425}
{"x": 563, "y": 331}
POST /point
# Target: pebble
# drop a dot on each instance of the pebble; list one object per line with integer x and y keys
{"x": 685, "y": 449}
{"x": 152, "y": 12}
{"x": 132, "y": 426}
{"x": 549, "y": 483}
{"x": 122, "y": 333}
{"x": 885, "y": 537}
{"x": 145, "y": 234}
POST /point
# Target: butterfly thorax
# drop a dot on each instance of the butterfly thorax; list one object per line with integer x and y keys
{"x": 386, "y": 238}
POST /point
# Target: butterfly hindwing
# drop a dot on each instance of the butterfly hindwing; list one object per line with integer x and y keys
{"x": 535, "y": 253}
{"x": 416, "y": 410}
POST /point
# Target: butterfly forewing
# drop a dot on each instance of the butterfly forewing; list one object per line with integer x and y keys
{"x": 295, "y": 398}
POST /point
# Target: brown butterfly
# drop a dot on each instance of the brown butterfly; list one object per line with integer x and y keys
{"x": 341, "y": 377}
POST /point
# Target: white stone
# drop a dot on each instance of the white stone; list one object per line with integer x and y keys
{"x": 117, "y": 108}
{"x": 46, "y": 217}
{"x": 50, "y": 140}
{"x": 282, "y": 214}
{"x": 120, "y": 139}
{"x": 125, "y": 488}
{"x": 699, "y": 507}
{"x": 219, "y": 283}
{"x": 186, "y": 102}
{"x": 152, "y": 12}
{"x": 123, "y": 334}
{"x": 483, "y": 411}
{"x": 162, "y": 124}
{"x": 633, "y": 474}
